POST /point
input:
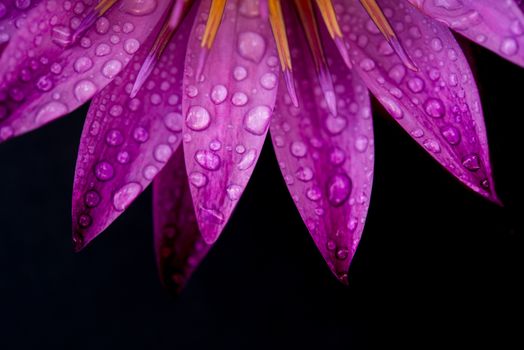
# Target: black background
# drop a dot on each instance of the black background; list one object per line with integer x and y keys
{"x": 437, "y": 264}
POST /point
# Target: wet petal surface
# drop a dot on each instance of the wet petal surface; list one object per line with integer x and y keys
{"x": 227, "y": 109}
{"x": 498, "y": 25}
{"x": 438, "y": 105}
{"x": 12, "y": 16}
{"x": 179, "y": 246}
{"x": 44, "y": 76}
{"x": 126, "y": 141}
{"x": 326, "y": 160}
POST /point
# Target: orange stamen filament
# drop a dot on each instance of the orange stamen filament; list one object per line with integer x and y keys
{"x": 309, "y": 23}
{"x": 169, "y": 28}
{"x": 380, "y": 20}
{"x": 276, "y": 19}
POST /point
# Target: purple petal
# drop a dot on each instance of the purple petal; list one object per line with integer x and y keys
{"x": 497, "y": 25}
{"x": 227, "y": 111}
{"x": 126, "y": 141}
{"x": 179, "y": 245}
{"x": 438, "y": 105}
{"x": 326, "y": 160}
{"x": 12, "y": 16}
{"x": 43, "y": 76}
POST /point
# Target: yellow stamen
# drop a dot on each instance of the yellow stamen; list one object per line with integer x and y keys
{"x": 330, "y": 18}
{"x": 278, "y": 26}
{"x": 376, "y": 14}
{"x": 276, "y": 18}
{"x": 177, "y": 13}
{"x": 213, "y": 22}
{"x": 309, "y": 23}
{"x": 104, "y": 5}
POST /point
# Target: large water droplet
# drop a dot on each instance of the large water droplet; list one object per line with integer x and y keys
{"x": 198, "y": 118}
{"x": 125, "y": 195}
{"x": 256, "y": 120}
{"x": 208, "y": 159}
{"x": 251, "y": 46}
{"x": 339, "y": 187}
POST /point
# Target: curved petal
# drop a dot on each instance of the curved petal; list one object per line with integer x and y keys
{"x": 326, "y": 160}
{"x": 227, "y": 111}
{"x": 126, "y": 141}
{"x": 44, "y": 76}
{"x": 439, "y": 105}
{"x": 495, "y": 24}
{"x": 179, "y": 245}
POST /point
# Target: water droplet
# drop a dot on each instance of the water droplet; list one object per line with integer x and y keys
{"x": 256, "y": 120}
{"x": 92, "y": 199}
{"x": 239, "y": 73}
{"x": 162, "y": 153}
{"x": 342, "y": 254}
{"x": 84, "y": 90}
{"x": 83, "y": 64}
{"x": 218, "y": 94}
{"x": 50, "y": 111}
{"x": 471, "y": 162}
{"x": 139, "y": 7}
{"x": 434, "y": 108}
{"x": 432, "y": 145}
{"x": 339, "y": 187}
{"x": 268, "y": 81}
{"x": 104, "y": 171}
{"x": 198, "y": 118}
{"x": 304, "y": 174}
{"x": 392, "y": 107}
{"x": 234, "y": 192}
{"x": 173, "y": 121}
{"x": 111, "y": 68}
{"x": 361, "y": 143}
{"x": 140, "y": 135}
{"x": 298, "y": 149}
{"x": 208, "y": 159}
{"x": 509, "y": 46}
{"x": 125, "y": 195}
{"x": 85, "y": 220}
{"x": 416, "y": 85}
{"x": 451, "y": 134}
{"x": 114, "y": 137}
{"x": 248, "y": 159}
{"x": 131, "y": 46}
{"x": 251, "y": 46}
{"x": 367, "y": 64}
{"x": 314, "y": 194}
{"x": 239, "y": 99}
{"x": 198, "y": 179}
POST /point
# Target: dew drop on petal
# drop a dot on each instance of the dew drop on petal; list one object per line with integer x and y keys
{"x": 339, "y": 187}
{"x": 104, "y": 171}
{"x": 198, "y": 118}
{"x": 471, "y": 162}
{"x": 125, "y": 195}
{"x": 256, "y": 120}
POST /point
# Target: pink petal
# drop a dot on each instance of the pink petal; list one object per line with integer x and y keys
{"x": 227, "y": 111}
{"x": 439, "y": 105}
{"x": 42, "y": 77}
{"x": 178, "y": 244}
{"x": 498, "y": 25}
{"x": 126, "y": 141}
{"x": 326, "y": 160}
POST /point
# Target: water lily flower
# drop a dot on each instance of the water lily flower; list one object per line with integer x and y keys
{"x": 213, "y": 77}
